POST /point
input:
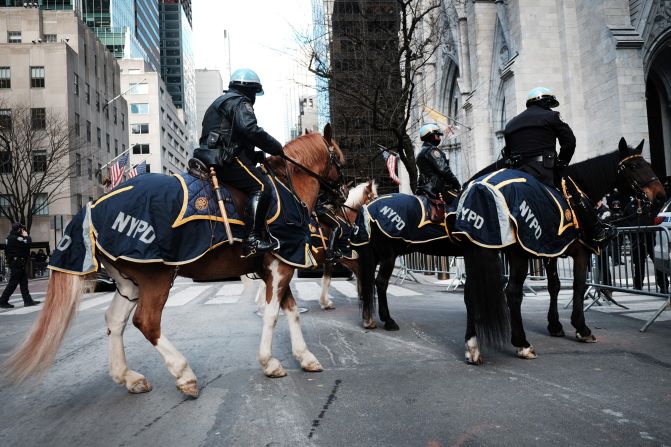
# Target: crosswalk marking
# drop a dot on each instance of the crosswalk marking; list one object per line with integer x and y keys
{"x": 308, "y": 291}
{"x": 400, "y": 291}
{"x": 185, "y": 296}
{"x": 346, "y": 288}
{"x": 230, "y": 290}
{"x": 87, "y": 304}
{"x": 224, "y": 300}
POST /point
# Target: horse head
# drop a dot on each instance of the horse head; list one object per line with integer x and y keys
{"x": 361, "y": 195}
{"x": 636, "y": 176}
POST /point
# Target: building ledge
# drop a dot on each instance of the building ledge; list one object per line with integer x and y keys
{"x": 626, "y": 37}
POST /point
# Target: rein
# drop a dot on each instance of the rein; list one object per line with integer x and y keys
{"x": 331, "y": 187}
{"x": 634, "y": 183}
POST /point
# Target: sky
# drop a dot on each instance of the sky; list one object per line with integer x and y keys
{"x": 262, "y": 38}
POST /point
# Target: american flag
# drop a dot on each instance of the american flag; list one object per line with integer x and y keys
{"x": 390, "y": 159}
{"x": 138, "y": 170}
{"x": 116, "y": 170}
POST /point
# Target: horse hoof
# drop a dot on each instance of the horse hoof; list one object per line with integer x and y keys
{"x": 139, "y": 386}
{"x": 474, "y": 362}
{"x": 189, "y": 388}
{"x": 391, "y": 325}
{"x": 328, "y": 306}
{"x": 526, "y": 353}
{"x": 274, "y": 369}
{"x": 369, "y": 324}
{"x": 585, "y": 339}
{"x": 559, "y": 333}
{"x": 313, "y": 366}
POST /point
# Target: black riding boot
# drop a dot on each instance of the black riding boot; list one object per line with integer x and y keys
{"x": 593, "y": 229}
{"x": 332, "y": 253}
{"x": 257, "y": 209}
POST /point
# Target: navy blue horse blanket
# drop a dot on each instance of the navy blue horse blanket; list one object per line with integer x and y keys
{"x": 398, "y": 216}
{"x": 173, "y": 220}
{"x": 508, "y": 207}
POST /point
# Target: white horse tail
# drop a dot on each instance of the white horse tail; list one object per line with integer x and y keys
{"x": 37, "y": 352}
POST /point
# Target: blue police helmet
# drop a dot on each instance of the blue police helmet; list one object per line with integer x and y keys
{"x": 427, "y": 130}
{"x": 542, "y": 94}
{"x": 244, "y": 77}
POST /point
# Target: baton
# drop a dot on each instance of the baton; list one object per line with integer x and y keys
{"x": 220, "y": 201}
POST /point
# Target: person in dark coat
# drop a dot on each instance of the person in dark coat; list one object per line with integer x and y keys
{"x": 230, "y": 124}
{"x": 435, "y": 179}
{"x": 17, "y": 253}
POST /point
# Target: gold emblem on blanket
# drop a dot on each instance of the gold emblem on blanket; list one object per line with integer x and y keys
{"x": 313, "y": 229}
{"x": 201, "y": 203}
{"x": 567, "y": 215}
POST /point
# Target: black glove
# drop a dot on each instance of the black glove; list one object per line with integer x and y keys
{"x": 259, "y": 157}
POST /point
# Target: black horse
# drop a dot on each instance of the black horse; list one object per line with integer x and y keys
{"x": 485, "y": 292}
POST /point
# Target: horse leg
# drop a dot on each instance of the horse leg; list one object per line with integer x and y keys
{"x": 580, "y": 263}
{"x": 299, "y": 348}
{"x": 154, "y": 288}
{"x": 514, "y": 295}
{"x": 473, "y": 355}
{"x": 277, "y": 280}
{"x": 324, "y": 301}
{"x": 554, "y": 285}
{"x": 116, "y": 318}
{"x": 381, "y": 284}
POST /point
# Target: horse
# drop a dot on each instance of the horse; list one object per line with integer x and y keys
{"x": 317, "y": 159}
{"x": 485, "y": 293}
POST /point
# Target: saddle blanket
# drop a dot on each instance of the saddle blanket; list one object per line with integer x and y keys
{"x": 398, "y": 216}
{"x": 510, "y": 206}
{"x": 173, "y": 220}
{"x": 343, "y": 241}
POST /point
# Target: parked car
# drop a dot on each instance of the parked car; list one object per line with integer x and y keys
{"x": 662, "y": 250}
{"x": 104, "y": 283}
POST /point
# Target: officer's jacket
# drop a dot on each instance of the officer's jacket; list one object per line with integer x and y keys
{"x": 237, "y": 109}
{"x": 17, "y": 246}
{"x": 434, "y": 170}
{"x": 535, "y": 131}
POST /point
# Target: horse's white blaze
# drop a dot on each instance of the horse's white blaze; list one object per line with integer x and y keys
{"x": 175, "y": 361}
{"x": 324, "y": 300}
{"x": 270, "y": 313}
{"x": 473, "y": 351}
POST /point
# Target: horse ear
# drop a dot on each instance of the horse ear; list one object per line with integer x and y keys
{"x": 328, "y": 132}
{"x": 639, "y": 148}
{"x": 623, "y": 147}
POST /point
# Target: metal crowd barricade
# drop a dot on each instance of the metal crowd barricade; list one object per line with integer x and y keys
{"x": 445, "y": 267}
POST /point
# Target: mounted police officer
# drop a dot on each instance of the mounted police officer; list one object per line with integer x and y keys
{"x": 531, "y": 147}
{"x": 230, "y": 125}
{"x": 435, "y": 176}
{"x": 326, "y": 215}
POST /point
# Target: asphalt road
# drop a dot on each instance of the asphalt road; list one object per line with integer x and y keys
{"x": 405, "y": 388}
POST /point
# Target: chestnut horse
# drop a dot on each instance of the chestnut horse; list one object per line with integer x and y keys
{"x": 145, "y": 288}
{"x": 486, "y": 294}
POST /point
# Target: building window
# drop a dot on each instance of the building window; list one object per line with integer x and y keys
{"x": 140, "y": 148}
{"x": 139, "y": 128}
{"x": 5, "y": 77}
{"x": 38, "y": 118}
{"x": 89, "y": 168}
{"x": 139, "y": 108}
{"x": 50, "y": 38}
{"x": 100, "y": 137}
{"x": 76, "y": 84}
{"x": 114, "y": 115}
{"x": 123, "y": 121}
{"x": 37, "y": 77}
{"x": 13, "y": 36}
{"x": 88, "y": 131}
{"x": 5, "y": 162}
{"x": 99, "y": 173}
{"x": 6, "y": 118}
{"x": 86, "y": 56}
{"x": 80, "y": 201}
{"x": 123, "y": 149}
{"x": 107, "y": 142}
{"x": 41, "y": 206}
{"x": 116, "y": 146}
{"x": 87, "y": 93}
{"x": 78, "y": 165}
{"x": 139, "y": 89}
{"x": 97, "y": 102}
{"x": 95, "y": 64}
{"x": 77, "y": 125}
{"x": 39, "y": 161}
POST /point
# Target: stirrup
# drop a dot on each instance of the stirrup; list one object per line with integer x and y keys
{"x": 254, "y": 249}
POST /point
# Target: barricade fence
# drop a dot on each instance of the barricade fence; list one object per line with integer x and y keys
{"x": 636, "y": 261}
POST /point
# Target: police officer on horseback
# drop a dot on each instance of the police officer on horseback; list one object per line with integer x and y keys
{"x": 230, "y": 125}
{"x": 436, "y": 179}
{"x": 531, "y": 147}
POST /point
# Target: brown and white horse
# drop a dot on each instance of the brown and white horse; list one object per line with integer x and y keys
{"x": 145, "y": 288}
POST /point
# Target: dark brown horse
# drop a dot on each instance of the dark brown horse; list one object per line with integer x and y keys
{"x": 145, "y": 288}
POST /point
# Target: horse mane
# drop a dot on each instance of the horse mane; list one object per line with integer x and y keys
{"x": 302, "y": 150}
{"x": 595, "y": 176}
{"x": 357, "y": 196}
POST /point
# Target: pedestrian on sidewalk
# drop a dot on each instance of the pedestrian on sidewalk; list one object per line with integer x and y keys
{"x": 17, "y": 253}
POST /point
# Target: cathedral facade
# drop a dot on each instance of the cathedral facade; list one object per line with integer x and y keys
{"x": 607, "y": 61}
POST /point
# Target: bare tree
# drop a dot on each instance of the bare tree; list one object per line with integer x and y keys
{"x": 36, "y": 158}
{"x": 376, "y": 56}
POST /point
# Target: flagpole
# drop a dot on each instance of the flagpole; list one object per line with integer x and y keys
{"x": 112, "y": 160}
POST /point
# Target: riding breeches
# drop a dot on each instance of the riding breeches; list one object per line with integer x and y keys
{"x": 244, "y": 176}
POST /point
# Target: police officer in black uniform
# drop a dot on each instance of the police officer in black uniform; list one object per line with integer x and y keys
{"x": 230, "y": 124}
{"x": 531, "y": 147}
{"x": 435, "y": 176}
{"x": 17, "y": 253}
{"x": 324, "y": 210}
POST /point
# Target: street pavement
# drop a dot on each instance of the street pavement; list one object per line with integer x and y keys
{"x": 404, "y": 388}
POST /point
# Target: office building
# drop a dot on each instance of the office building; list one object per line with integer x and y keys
{"x": 209, "y": 86}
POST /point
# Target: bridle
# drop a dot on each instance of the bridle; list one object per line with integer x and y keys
{"x": 633, "y": 179}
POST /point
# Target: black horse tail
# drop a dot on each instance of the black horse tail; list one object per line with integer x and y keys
{"x": 484, "y": 295}
{"x": 367, "y": 265}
